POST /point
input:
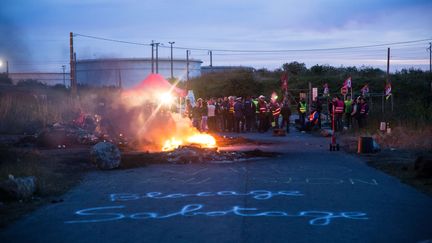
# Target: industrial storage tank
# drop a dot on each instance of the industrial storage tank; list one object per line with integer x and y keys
{"x": 127, "y": 72}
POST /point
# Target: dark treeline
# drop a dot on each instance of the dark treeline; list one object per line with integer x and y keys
{"x": 412, "y": 95}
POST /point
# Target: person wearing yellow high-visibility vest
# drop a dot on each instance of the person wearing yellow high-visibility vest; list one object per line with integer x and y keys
{"x": 302, "y": 109}
{"x": 348, "y": 110}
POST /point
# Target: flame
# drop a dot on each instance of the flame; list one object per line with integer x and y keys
{"x": 201, "y": 139}
{"x": 171, "y": 144}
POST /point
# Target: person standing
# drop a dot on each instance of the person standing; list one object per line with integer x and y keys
{"x": 363, "y": 113}
{"x": 338, "y": 113}
{"x": 211, "y": 115}
{"x": 224, "y": 111}
{"x": 204, "y": 115}
{"x": 301, "y": 109}
{"x": 230, "y": 117}
{"x": 188, "y": 109}
{"x": 276, "y": 110}
{"x": 262, "y": 107}
{"x": 238, "y": 115}
{"x": 318, "y": 108}
{"x": 196, "y": 116}
{"x": 286, "y": 113}
{"x": 249, "y": 110}
{"x": 348, "y": 110}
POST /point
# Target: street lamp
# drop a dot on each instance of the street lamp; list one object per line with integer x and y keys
{"x": 171, "y": 44}
{"x": 7, "y": 67}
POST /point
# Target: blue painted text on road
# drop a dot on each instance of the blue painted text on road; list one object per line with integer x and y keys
{"x": 105, "y": 214}
{"x": 256, "y": 194}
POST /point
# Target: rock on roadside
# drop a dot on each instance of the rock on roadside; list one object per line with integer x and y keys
{"x": 17, "y": 188}
{"x": 105, "y": 155}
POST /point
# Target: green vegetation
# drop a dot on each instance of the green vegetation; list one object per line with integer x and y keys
{"x": 412, "y": 95}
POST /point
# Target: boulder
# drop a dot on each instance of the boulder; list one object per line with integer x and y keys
{"x": 423, "y": 166}
{"x": 105, "y": 155}
{"x": 18, "y": 188}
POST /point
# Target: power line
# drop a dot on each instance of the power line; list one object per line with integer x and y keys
{"x": 260, "y": 51}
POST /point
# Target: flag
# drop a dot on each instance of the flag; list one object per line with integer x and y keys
{"x": 365, "y": 90}
{"x": 326, "y": 90}
{"x": 388, "y": 90}
{"x": 284, "y": 81}
{"x": 347, "y": 83}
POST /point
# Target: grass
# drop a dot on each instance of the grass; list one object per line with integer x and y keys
{"x": 56, "y": 172}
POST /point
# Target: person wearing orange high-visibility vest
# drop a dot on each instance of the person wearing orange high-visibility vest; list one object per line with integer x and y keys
{"x": 276, "y": 110}
{"x": 262, "y": 108}
{"x": 339, "y": 108}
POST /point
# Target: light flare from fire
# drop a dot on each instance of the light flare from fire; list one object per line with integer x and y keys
{"x": 155, "y": 127}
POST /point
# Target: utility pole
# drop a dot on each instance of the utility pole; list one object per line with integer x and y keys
{"x": 172, "y": 65}
{"x": 388, "y": 64}
{"x": 157, "y": 57}
{"x": 64, "y": 78}
{"x": 72, "y": 65}
{"x": 7, "y": 69}
{"x": 430, "y": 64}
{"x": 120, "y": 79}
{"x": 388, "y": 75}
{"x": 187, "y": 68}
{"x": 152, "y": 56}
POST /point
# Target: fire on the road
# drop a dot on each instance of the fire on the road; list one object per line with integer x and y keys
{"x": 201, "y": 139}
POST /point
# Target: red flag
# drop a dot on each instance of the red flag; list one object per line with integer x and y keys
{"x": 284, "y": 81}
{"x": 388, "y": 90}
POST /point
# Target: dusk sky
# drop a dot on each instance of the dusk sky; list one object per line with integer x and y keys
{"x": 34, "y": 35}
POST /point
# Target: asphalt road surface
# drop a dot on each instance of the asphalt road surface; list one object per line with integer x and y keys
{"x": 308, "y": 194}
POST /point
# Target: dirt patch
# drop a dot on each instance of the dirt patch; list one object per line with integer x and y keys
{"x": 56, "y": 172}
{"x": 400, "y": 164}
{"x": 399, "y": 152}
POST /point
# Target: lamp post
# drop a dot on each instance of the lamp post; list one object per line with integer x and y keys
{"x": 171, "y": 46}
{"x": 157, "y": 57}
{"x": 64, "y": 78}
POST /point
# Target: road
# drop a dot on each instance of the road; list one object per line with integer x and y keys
{"x": 307, "y": 194}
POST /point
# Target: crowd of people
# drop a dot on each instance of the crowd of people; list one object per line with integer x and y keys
{"x": 237, "y": 114}
{"x": 344, "y": 113}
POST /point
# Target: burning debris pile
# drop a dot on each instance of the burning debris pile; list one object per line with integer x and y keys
{"x": 193, "y": 154}
{"x": 188, "y": 155}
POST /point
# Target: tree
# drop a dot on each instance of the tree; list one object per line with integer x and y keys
{"x": 294, "y": 68}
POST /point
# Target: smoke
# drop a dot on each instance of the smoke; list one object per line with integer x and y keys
{"x": 12, "y": 45}
{"x": 140, "y": 115}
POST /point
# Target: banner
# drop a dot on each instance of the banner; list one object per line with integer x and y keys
{"x": 365, "y": 90}
{"x": 347, "y": 83}
{"x": 326, "y": 90}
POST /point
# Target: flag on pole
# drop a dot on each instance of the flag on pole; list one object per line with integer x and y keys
{"x": 326, "y": 90}
{"x": 347, "y": 83}
{"x": 284, "y": 81}
{"x": 388, "y": 90}
{"x": 365, "y": 90}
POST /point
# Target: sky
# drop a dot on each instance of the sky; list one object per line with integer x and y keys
{"x": 34, "y": 34}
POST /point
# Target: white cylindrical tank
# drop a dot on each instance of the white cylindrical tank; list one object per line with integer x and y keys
{"x": 127, "y": 72}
